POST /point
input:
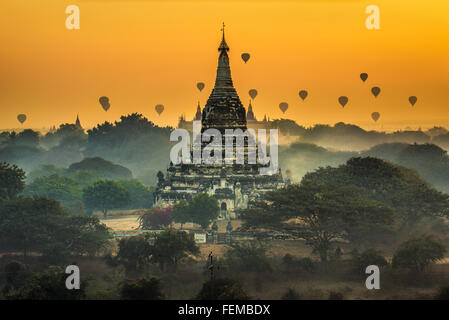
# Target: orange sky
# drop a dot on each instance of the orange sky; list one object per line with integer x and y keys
{"x": 144, "y": 52}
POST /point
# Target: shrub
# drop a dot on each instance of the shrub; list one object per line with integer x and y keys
{"x": 299, "y": 264}
{"x": 417, "y": 253}
{"x": 49, "y": 285}
{"x": 141, "y": 289}
{"x": 368, "y": 257}
{"x": 248, "y": 256}
{"x": 133, "y": 252}
{"x": 155, "y": 218}
{"x": 222, "y": 289}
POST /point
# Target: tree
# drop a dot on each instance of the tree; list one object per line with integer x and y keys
{"x": 417, "y": 253}
{"x": 171, "y": 246}
{"x": 56, "y": 187}
{"x": 105, "y": 195}
{"x": 141, "y": 195}
{"x": 49, "y": 285}
{"x": 11, "y": 181}
{"x": 29, "y": 224}
{"x": 131, "y": 141}
{"x": 180, "y": 212}
{"x": 86, "y": 235}
{"x": 201, "y": 209}
{"x": 155, "y": 218}
{"x": 204, "y": 209}
{"x": 431, "y": 161}
{"x": 141, "y": 289}
{"x": 222, "y": 289}
{"x": 395, "y": 186}
{"x": 42, "y": 225}
{"x": 320, "y": 213}
{"x": 106, "y": 169}
{"x": 134, "y": 252}
{"x": 16, "y": 276}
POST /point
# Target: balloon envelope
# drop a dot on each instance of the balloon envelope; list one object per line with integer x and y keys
{"x": 200, "y": 86}
{"x": 159, "y": 108}
{"x": 303, "y": 94}
{"x": 375, "y": 91}
{"x": 245, "y": 57}
{"x": 104, "y": 101}
{"x": 364, "y": 76}
{"x": 343, "y": 100}
{"x": 412, "y": 100}
{"x": 252, "y": 93}
{"x": 21, "y": 117}
{"x": 283, "y": 106}
{"x": 375, "y": 116}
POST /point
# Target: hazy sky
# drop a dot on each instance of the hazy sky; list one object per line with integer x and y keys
{"x": 145, "y": 52}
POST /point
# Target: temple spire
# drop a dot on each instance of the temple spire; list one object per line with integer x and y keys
{"x": 198, "y": 112}
{"x": 223, "y": 45}
{"x": 223, "y": 109}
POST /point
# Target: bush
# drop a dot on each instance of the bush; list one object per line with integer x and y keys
{"x": 16, "y": 276}
{"x": 155, "y": 218}
{"x": 222, "y": 289}
{"x": 141, "y": 289}
{"x": 133, "y": 252}
{"x": 299, "y": 264}
{"x": 247, "y": 256}
{"x": 417, "y": 253}
{"x": 49, "y": 285}
{"x": 368, "y": 257}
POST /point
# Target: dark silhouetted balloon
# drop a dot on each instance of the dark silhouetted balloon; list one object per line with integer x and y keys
{"x": 104, "y": 101}
{"x": 364, "y": 76}
{"x": 245, "y": 57}
{"x": 375, "y": 91}
{"x": 21, "y": 117}
{"x": 375, "y": 116}
{"x": 412, "y": 100}
{"x": 303, "y": 94}
{"x": 283, "y": 106}
{"x": 252, "y": 93}
{"x": 343, "y": 100}
{"x": 200, "y": 86}
{"x": 159, "y": 108}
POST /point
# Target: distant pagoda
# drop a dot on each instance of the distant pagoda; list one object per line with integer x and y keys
{"x": 233, "y": 185}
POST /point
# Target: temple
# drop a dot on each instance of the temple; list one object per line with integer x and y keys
{"x": 233, "y": 185}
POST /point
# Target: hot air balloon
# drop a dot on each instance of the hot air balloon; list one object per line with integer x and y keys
{"x": 364, "y": 76}
{"x": 375, "y": 116}
{"x": 104, "y": 101}
{"x": 303, "y": 94}
{"x": 252, "y": 93}
{"x": 412, "y": 100}
{"x": 343, "y": 100}
{"x": 375, "y": 91}
{"x": 200, "y": 86}
{"x": 21, "y": 117}
{"x": 159, "y": 108}
{"x": 283, "y": 106}
{"x": 245, "y": 57}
